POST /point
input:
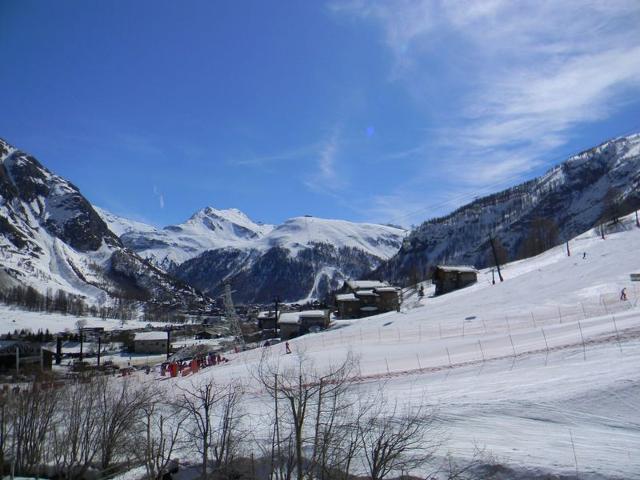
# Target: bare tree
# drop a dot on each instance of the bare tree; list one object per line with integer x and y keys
{"x": 161, "y": 424}
{"x": 199, "y": 401}
{"x": 6, "y": 413}
{"x": 120, "y": 406}
{"x": 395, "y": 440}
{"x": 227, "y": 427}
{"x": 75, "y": 436}
{"x": 303, "y": 396}
{"x": 33, "y": 414}
{"x": 214, "y": 413}
{"x": 542, "y": 235}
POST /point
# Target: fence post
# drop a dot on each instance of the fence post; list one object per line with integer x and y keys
{"x": 545, "y": 339}
{"x": 573, "y": 447}
{"x": 584, "y": 349}
{"x": 615, "y": 326}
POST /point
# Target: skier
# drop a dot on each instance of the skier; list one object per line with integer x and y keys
{"x": 421, "y": 292}
{"x": 287, "y": 347}
{"x": 623, "y": 295}
{"x": 584, "y": 255}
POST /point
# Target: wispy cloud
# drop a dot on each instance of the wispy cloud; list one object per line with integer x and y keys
{"x": 325, "y": 177}
{"x": 526, "y": 73}
{"x": 159, "y": 196}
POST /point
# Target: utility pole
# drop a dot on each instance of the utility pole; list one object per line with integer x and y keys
{"x": 58, "y": 350}
{"x": 99, "y": 347}
{"x": 80, "y": 329}
{"x": 276, "y": 302}
{"x": 495, "y": 258}
{"x": 232, "y": 316}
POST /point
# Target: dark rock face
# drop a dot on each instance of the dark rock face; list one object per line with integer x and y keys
{"x": 61, "y": 209}
{"x": 258, "y": 277}
{"x": 593, "y": 187}
{"x": 50, "y": 232}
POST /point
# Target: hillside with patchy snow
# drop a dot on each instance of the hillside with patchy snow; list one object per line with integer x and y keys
{"x": 52, "y": 238}
{"x": 589, "y": 189}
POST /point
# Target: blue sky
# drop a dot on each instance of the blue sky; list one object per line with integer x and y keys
{"x": 368, "y": 111}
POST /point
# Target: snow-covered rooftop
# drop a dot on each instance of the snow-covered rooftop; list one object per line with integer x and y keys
{"x": 386, "y": 289}
{"x": 457, "y": 268}
{"x": 346, "y": 297}
{"x": 367, "y": 293}
{"x": 312, "y": 313}
{"x": 366, "y": 284}
{"x": 289, "y": 318}
{"x": 150, "y": 336}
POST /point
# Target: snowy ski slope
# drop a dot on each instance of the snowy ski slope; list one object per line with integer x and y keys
{"x": 541, "y": 370}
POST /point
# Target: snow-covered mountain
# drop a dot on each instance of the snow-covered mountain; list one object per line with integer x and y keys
{"x": 301, "y": 259}
{"x": 592, "y": 188}
{"x": 207, "y": 229}
{"x": 52, "y": 238}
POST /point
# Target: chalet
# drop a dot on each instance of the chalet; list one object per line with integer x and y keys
{"x": 362, "y": 298}
{"x": 352, "y": 286}
{"x": 150, "y": 342}
{"x": 205, "y": 334}
{"x": 449, "y": 278}
{"x": 292, "y": 324}
{"x": 267, "y": 320}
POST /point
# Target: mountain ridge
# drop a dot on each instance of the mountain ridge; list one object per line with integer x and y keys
{"x": 588, "y": 189}
{"x": 51, "y": 238}
{"x": 214, "y": 246}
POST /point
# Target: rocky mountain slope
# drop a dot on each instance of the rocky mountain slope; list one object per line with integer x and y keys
{"x": 301, "y": 259}
{"x": 592, "y": 188}
{"x": 52, "y": 238}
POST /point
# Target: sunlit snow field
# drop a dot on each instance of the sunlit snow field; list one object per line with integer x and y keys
{"x": 505, "y": 365}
